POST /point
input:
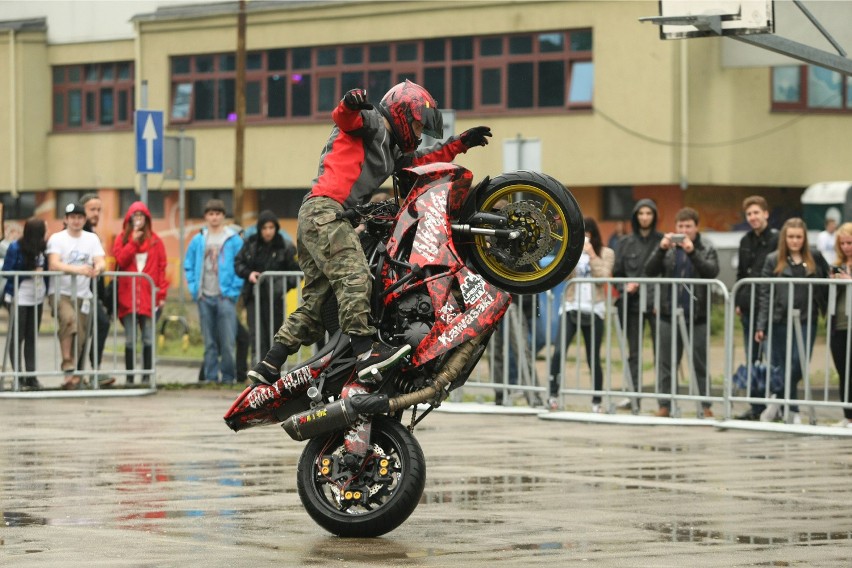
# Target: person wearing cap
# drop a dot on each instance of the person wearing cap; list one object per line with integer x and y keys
{"x": 80, "y": 256}
{"x": 215, "y": 286}
{"x": 826, "y": 238}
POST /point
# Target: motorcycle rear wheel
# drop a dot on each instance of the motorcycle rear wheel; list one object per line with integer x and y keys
{"x": 553, "y": 233}
{"x": 389, "y": 498}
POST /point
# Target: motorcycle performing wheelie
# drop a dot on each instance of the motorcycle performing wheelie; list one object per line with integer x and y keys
{"x": 444, "y": 257}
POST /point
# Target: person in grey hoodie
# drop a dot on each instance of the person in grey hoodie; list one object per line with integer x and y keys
{"x": 630, "y": 258}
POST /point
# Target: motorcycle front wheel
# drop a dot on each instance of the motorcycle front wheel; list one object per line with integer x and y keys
{"x": 551, "y": 230}
{"x": 362, "y": 498}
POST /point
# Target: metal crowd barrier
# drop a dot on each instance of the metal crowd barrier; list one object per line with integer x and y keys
{"x": 515, "y": 376}
{"x": 795, "y": 340}
{"x": 15, "y": 380}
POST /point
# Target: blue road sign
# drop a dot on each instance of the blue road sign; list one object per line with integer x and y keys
{"x": 149, "y": 141}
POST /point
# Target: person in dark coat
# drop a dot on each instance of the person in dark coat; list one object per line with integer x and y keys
{"x": 685, "y": 256}
{"x": 754, "y": 247}
{"x": 266, "y": 250}
{"x": 793, "y": 259}
{"x": 630, "y": 259}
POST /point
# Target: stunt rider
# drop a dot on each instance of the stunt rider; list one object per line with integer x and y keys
{"x": 366, "y": 146}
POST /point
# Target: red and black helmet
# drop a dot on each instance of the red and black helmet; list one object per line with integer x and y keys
{"x": 402, "y": 105}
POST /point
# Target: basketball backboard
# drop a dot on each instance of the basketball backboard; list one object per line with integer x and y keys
{"x": 699, "y": 18}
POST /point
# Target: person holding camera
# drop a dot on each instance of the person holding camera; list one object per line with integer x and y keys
{"x": 685, "y": 256}
{"x": 139, "y": 249}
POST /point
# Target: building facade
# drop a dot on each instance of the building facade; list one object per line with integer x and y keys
{"x": 616, "y": 113}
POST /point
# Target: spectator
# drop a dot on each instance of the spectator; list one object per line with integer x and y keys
{"x": 826, "y": 238}
{"x": 517, "y": 325}
{"x": 630, "y": 260}
{"x": 26, "y": 254}
{"x": 266, "y": 250}
{"x": 81, "y": 257}
{"x": 616, "y": 236}
{"x": 103, "y": 306}
{"x": 585, "y": 308}
{"x": 793, "y": 259}
{"x": 11, "y": 232}
{"x": 139, "y": 249}
{"x": 683, "y": 255}
{"x": 519, "y": 333}
{"x": 754, "y": 246}
{"x": 366, "y": 146}
{"x": 839, "y": 337}
{"x": 213, "y": 283}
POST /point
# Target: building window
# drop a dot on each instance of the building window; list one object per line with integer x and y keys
{"x": 522, "y": 74}
{"x": 810, "y": 88}
{"x": 197, "y": 199}
{"x": 282, "y": 202}
{"x": 97, "y": 96}
{"x": 156, "y": 202}
{"x": 21, "y": 207}
{"x": 617, "y": 203}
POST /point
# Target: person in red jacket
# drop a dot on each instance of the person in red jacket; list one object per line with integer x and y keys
{"x": 139, "y": 249}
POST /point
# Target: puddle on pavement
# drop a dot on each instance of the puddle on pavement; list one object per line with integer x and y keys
{"x": 479, "y": 489}
{"x": 669, "y": 449}
{"x": 685, "y": 532}
{"x": 14, "y": 519}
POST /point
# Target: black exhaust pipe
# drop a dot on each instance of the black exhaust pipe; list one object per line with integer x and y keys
{"x": 333, "y": 416}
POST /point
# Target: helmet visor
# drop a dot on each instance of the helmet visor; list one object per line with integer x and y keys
{"x": 433, "y": 122}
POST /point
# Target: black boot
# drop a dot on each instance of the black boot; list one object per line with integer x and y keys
{"x": 147, "y": 362}
{"x": 129, "y": 364}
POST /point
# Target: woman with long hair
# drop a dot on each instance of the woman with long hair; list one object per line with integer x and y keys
{"x": 793, "y": 259}
{"x": 139, "y": 249}
{"x": 839, "y": 338}
{"x": 584, "y": 309}
{"x": 26, "y": 254}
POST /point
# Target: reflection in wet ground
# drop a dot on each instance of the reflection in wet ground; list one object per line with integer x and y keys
{"x": 692, "y": 532}
{"x": 176, "y": 488}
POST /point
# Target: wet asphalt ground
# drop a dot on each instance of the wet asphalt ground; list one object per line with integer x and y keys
{"x": 160, "y": 481}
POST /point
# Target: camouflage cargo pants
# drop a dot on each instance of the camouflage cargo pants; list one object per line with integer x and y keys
{"x": 333, "y": 261}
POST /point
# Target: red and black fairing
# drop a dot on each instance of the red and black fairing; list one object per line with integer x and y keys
{"x": 261, "y": 404}
{"x": 423, "y": 233}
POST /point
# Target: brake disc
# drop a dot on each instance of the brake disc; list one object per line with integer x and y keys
{"x": 535, "y": 242}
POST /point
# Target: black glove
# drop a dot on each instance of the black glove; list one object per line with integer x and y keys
{"x": 476, "y": 136}
{"x": 356, "y": 99}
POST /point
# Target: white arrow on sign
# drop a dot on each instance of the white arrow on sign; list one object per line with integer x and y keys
{"x": 149, "y": 134}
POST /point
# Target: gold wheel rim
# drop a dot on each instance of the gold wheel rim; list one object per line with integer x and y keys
{"x": 561, "y": 238}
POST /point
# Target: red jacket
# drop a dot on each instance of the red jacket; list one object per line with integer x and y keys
{"x": 359, "y": 156}
{"x": 125, "y": 260}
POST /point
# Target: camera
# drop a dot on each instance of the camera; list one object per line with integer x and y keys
{"x": 677, "y": 238}
{"x": 838, "y": 270}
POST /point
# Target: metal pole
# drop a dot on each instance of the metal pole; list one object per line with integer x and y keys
{"x": 240, "y": 88}
{"x": 143, "y": 178}
{"x": 181, "y": 217}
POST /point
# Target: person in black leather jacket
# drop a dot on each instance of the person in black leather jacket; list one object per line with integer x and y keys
{"x": 793, "y": 259}
{"x": 687, "y": 258}
{"x": 630, "y": 259}
{"x": 754, "y": 246}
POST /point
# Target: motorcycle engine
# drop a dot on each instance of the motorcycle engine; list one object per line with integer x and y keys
{"x": 416, "y": 317}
